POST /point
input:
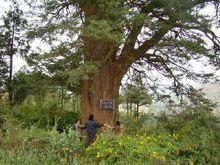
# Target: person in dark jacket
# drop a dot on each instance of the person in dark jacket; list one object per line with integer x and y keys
{"x": 91, "y": 129}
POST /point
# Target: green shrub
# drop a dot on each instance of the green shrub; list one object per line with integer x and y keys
{"x": 39, "y": 146}
{"x": 194, "y": 125}
{"x": 131, "y": 125}
{"x": 27, "y": 158}
{"x": 67, "y": 120}
{"x": 185, "y": 138}
{"x": 131, "y": 149}
{"x": 38, "y": 112}
{"x": 5, "y": 112}
{"x": 163, "y": 148}
{"x": 43, "y": 113}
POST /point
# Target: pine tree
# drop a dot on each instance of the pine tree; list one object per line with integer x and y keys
{"x": 13, "y": 43}
{"x": 111, "y": 36}
{"x": 135, "y": 93}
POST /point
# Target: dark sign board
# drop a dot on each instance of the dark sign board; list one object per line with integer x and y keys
{"x": 107, "y": 104}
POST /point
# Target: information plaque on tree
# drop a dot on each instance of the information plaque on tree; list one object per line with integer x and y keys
{"x": 106, "y": 104}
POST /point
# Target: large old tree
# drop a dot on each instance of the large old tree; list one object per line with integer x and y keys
{"x": 93, "y": 43}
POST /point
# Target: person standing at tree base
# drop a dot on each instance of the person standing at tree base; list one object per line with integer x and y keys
{"x": 91, "y": 129}
{"x": 78, "y": 128}
{"x": 117, "y": 128}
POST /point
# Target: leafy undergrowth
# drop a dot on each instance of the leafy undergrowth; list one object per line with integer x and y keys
{"x": 190, "y": 138}
{"x": 163, "y": 148}
{"x": 39, "y": 146}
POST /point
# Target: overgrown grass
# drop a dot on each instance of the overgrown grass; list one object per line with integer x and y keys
{"x": 39, "y": 146}
{"x": 191, "y": 137}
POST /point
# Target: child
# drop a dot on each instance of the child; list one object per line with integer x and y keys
{"x": 78, "y": 127}
{"x": 117, "y": 128}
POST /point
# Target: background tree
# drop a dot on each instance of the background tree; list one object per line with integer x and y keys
{"x": 3, "y": 63}
{"x": 31, "y": 83}
{"x": 57, "y": 66}
{"x": 40, "y": 85}
{"x": 112, "y": 36}
{"x": 135, "y": 93}
{"x": 13, "y": 43}
{"x": 3, "y": 72}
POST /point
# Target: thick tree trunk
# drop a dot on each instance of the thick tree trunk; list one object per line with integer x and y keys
{"x": 104, "y": 85}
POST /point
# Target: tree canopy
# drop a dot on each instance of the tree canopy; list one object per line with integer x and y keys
{"x": 159, "y": 35}
{"x": 93, "y": 43}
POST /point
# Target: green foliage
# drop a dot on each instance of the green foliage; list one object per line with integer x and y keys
{"x": 38, "y": 112}
{"x": 196, "y": 130}
{"x": 13, "y": 42}
{"x": 5, "y": 113}
{"x": 39, "y": 146}
{"x": 135, "y": 94}
{"x": 30, "y": 83}
{"x": 66, "y": 143}
{"x": 42, "y": 111}
{"x": 67, "y": 120}
{"x": 46, "y": 110}
{"x": 187, "y": 140}
{"x": 83, "y": 72}
{"x": 189, "y": 137}
{"x": 103, "y": 30}
{"x": 132, "y": 149}
{"x": 131, "y": 125}
{"x": 3, "y": 71}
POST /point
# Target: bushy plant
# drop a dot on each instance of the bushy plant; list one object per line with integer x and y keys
{"x": 38, "y": 112}
{"x": 147, "y": 123}
{"x": 27, "y": 158}
{"x": 67, "y": 142}
{"x": 43, "y": 113}
{"x": 39, "y": 146}
{"x": 5, "y": 112}
{"x": 194, "y": 125}
{"x": 187, "y": 137}
{"x": 131, "y": 125}
{"x": 132, "y": 149}
{"x": 162, "y": 148}
{"x": 67, "y": 120}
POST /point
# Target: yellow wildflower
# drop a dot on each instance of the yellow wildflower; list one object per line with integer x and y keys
{"x": 154, "y": 154}
{"x": 163, "y": 158}
{"x": 98, "y": 155}
{"x": 110, "y": 150}
{"x": 191, "y": 162}
{"x": 175, "y": 135}
{"x": 66, "y": 149}
{"x": 88, "y": 149}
